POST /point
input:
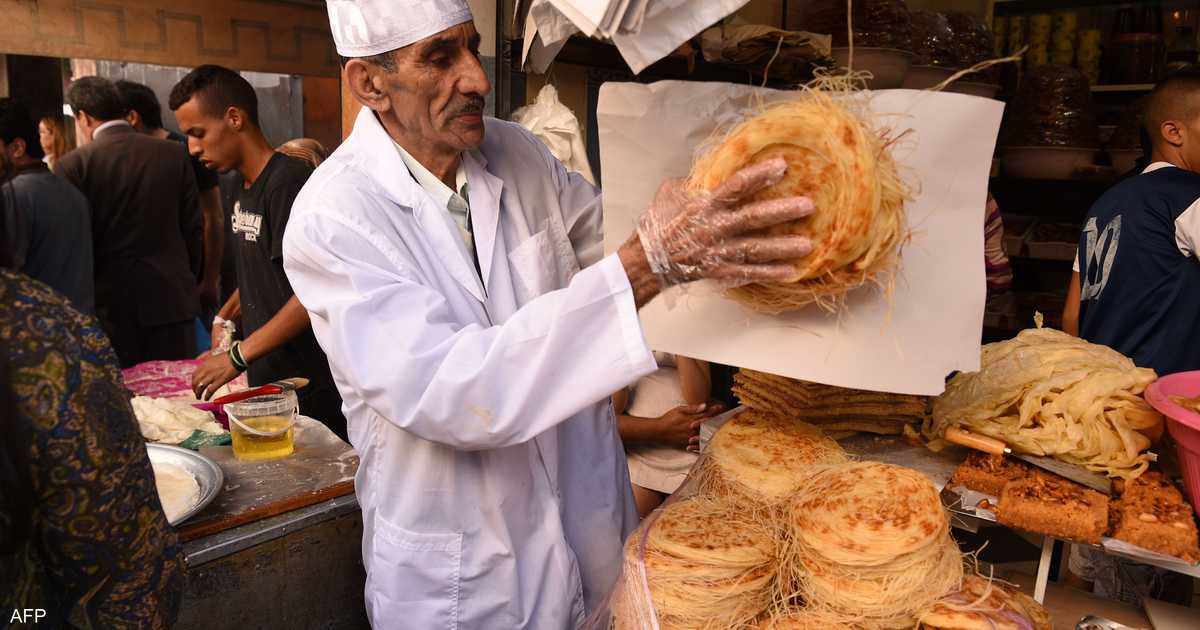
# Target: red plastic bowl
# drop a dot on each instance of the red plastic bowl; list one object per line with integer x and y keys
{"x": 1183, "y": 424}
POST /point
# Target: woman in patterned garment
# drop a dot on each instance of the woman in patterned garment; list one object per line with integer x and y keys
{"x": 999, "y": 273}
{"x": 82, "y": 533}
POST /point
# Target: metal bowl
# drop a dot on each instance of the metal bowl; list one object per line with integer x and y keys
{"x": 1046, "y": 162}
{"x": 974, "y": 88}
{"x": 925, "y": 77}
{"x": 1123, "y": 160}
{"x": 207, "y": 473}
{"x": 887, "y": 65}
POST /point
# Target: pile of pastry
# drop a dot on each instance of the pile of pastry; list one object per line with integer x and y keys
{"x": 786, "y": 531}
{"x": 838, "y": 411}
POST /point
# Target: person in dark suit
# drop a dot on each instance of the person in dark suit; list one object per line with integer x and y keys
{"x": 146, "y": 227}
{"x": 145, "y": 115}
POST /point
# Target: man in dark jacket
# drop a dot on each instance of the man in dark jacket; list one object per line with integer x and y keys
{"x": 53, "y": 234}
{"x": 146, "y": 227}
{"x": 145, "y": 115}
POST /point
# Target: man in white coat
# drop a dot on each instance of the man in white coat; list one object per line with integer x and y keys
{"x": 455, "y": 277}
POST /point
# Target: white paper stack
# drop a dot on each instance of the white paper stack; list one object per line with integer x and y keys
{"x": 644, "y": 31}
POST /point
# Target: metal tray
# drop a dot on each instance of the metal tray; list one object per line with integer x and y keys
{"x": 207, "y": 473}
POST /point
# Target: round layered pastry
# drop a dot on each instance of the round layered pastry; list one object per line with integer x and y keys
{"x": 705, "y": 564}
{"x": 869, "y": 544}
{"x": 760, "y": 459}
{"x": 845, "y": 166}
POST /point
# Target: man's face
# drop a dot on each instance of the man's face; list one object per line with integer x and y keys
{"x": 437, "y": 92}
{"x": 212, "y": 139}
{"x": 1190, "y": 149}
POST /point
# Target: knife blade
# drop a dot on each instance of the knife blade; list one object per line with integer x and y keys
{"x": 1073, "y": 472}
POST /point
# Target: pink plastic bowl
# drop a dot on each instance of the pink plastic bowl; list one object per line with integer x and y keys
{"x": 1183, "y": 424}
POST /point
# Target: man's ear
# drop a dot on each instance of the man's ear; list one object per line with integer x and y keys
{"x": 366, "y": 84}
{"x": 133, "y": 118}
{"x": 1172, "y": 132}
{"x": 235, "y": 118}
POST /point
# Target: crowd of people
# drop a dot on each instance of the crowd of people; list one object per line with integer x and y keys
{"x": 110, "y": 252}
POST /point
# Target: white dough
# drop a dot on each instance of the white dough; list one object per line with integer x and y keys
{"x": 171, "y": 421}
{"x": 178, "y": 490}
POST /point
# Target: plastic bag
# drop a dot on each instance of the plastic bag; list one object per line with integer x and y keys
{"x": 972, "y": 40}
{"x": 877, "y": 23}
{"x": 556, "y": 126}
{"x": 629, "y": 605}
{"x": 1053, "y": 109}
{"x": 690, "y": 235}
{"x": 932, "y": 40}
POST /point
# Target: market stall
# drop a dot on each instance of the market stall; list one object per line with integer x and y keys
{"x": 260, "y": 535}
{"x": 863, "y": 360}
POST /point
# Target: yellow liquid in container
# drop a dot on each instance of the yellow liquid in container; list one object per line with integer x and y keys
{"x": 247, "y": 445}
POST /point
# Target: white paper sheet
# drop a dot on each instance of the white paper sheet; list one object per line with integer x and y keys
{"x": 932, "y": 325}
{"x": 668, "y": 24}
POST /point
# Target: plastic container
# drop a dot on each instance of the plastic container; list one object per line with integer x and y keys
{"x": 263, "y": 427}
{"x": 1183, "y": 424}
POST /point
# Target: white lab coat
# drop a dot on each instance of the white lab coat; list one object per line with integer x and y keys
{"x": 493, "y": 485}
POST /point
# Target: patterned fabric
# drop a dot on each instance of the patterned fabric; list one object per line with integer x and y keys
{"x": 101, "y": 554}
{"x": 999, "y": 273}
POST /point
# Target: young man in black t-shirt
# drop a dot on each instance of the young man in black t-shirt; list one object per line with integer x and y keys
{"x": 218, "y": 111}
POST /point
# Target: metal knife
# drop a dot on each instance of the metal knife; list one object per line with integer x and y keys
{"x": 1074, "y": 472}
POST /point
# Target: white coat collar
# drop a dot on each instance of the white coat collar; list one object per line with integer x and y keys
{"x": 385, "y": 167}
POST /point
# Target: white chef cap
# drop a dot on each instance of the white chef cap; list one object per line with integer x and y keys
{"x": 362, "y": 28}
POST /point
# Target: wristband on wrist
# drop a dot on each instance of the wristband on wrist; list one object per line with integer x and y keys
{"x": 235, "y": 356}
{"x": 219, "y": 321}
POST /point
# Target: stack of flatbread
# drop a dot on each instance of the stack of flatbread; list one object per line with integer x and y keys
{"x": 759, "y": 459}
{"x": 836, "y": 410}
{"x": 706, "y": 564}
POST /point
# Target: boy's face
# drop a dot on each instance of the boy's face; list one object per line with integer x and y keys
{"x": 212, "y": 139}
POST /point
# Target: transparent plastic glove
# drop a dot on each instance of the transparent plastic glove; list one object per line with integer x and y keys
{"x": 689, "y": 235}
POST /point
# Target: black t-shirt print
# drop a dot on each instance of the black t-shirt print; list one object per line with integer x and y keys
{"x": 260, "y": 217}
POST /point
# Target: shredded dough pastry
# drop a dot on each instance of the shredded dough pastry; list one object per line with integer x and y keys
{"x": 178, "y": 490}
{"x": 1049, "y": 393}
{"x": 836, "y": 158}
{"x": 760, "y": 458}
{"x": 868, "y": 545}
{"x": 707, "y": 565}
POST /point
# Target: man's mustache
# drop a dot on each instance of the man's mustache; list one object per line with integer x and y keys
{"x": 474, "y": 105}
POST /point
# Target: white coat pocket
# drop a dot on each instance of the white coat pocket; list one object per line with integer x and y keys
{"x": 535, "y": 265}
{"x": 413, "y": 581}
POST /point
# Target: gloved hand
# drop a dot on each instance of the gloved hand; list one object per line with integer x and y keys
{"x": 688, "y": 235}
